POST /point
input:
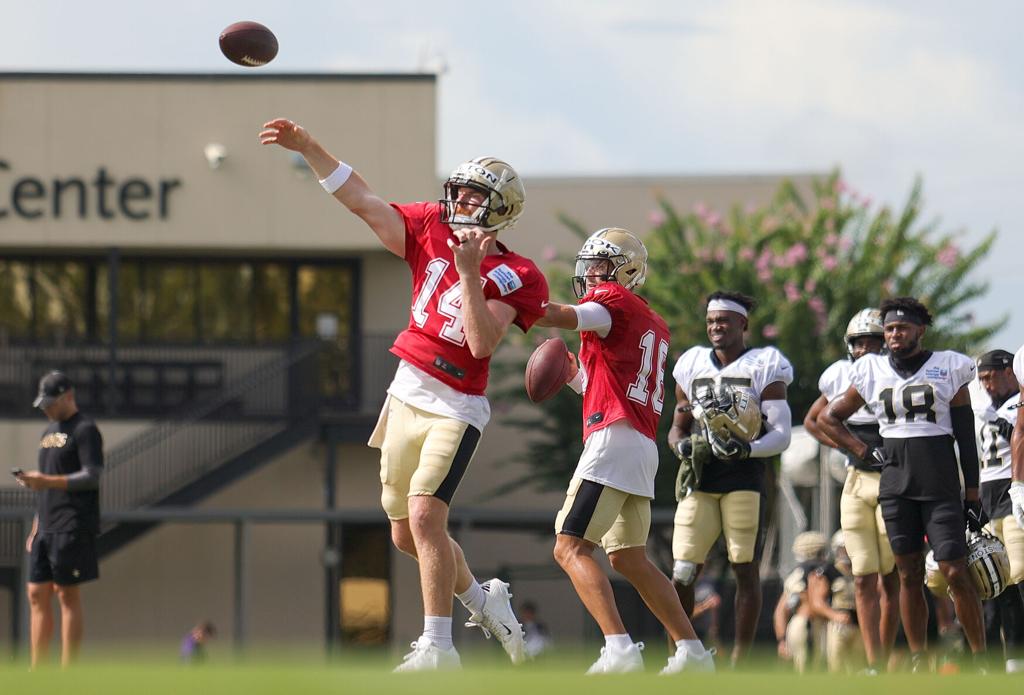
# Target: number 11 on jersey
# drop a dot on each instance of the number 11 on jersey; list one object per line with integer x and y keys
{"x": 640, "y": 389}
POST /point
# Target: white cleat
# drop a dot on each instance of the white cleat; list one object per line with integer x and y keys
{"x": 497, "y": 619}
{"x": 427, "y": 656}
{"x": 690, "y": 662}
{"x": 614, "y": 660}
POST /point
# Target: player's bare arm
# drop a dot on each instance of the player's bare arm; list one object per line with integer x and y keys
{"x": 355, "y": 193}
{"x": 811, "y": 422}
{"x": 833, "y": 417}
{"x": 486, "y": 321}
{"x": 559, "y": 316}
{"x": 682, "y": 419}
{"x": 817, "y": 597}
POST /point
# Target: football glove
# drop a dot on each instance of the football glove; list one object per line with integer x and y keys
{"x": 731, "y": 449}
{"x": 1005, "y": 428}
{"x": 694, "y": 453}
{"x": 1017, "y": 501}
{"x": 974, "y": 515}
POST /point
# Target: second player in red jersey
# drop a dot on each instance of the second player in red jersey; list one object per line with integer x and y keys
{"x": 608, "y": 503}
{"x": 625, "y": 370}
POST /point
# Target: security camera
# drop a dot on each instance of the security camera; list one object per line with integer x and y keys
{"x": 215, "y": 154}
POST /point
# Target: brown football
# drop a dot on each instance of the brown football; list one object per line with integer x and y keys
{"x": 248, "y": 43}
{"x": 548, "y": 370}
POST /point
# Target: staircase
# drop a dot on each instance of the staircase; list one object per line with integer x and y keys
{"x": 186, "y": 457}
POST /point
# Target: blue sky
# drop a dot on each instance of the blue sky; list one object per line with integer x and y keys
{"x": 887, "y": 90}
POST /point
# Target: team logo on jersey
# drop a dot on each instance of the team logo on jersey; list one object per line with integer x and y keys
{"x": 936, "y": 373}
{"x": 54, "y": 440}
{"x": 507, "y": 280}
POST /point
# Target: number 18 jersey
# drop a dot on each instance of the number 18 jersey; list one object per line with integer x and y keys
{"x": 625, "y": 369}
{"x": 917, "y": 405}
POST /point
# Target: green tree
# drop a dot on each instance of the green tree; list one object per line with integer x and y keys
{"x": 812, "y": 262}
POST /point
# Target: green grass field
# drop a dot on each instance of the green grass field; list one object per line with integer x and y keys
{"x": 482, "y": 674}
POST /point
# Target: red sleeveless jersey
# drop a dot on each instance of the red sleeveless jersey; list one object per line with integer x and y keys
{"x": 435, "y": 340}
{"x": 625, "y": 370}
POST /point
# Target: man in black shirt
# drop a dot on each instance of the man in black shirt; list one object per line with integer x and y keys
{"x": 62, "y": 544}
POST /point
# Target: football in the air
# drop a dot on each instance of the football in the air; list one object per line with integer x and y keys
{"x": 248, "y": 43}
{"x": 548, "y": 370}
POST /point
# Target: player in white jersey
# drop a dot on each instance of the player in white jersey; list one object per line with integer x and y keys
{"x": 859, "y": 513}
{"x": 1017, "y": 444}
{"x": 727, "y": 492}
{"x": 995, "y": 400}
{"x": 923, "y": 407}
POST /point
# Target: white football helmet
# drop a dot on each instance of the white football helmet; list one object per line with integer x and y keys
{"x": 626, "y": 253}
{"x": 989, "y": 564}
{"x": 499, "y": 182}
{"x": 866, "y": 322}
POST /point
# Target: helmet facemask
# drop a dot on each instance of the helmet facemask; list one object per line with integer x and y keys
{"x": 624, "y": 254}
{"x": 502, "y": 189}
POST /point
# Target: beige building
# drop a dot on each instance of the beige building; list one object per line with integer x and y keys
{"x": 227, "y": 324}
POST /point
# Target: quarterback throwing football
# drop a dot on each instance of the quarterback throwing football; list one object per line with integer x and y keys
{"x": 624, "y": 345}
{"x": 467, "y": 289}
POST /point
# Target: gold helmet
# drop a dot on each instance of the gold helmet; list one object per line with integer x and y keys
{"x": 933, "y": 577}
{"x": 866, "y": 322}
{"x": 626, "y": 253}
{"x": 988, "y": 563}
{"x": 499, "y": 182}
{"x": 808, "y": 546}
{"x": 727, "y": 412}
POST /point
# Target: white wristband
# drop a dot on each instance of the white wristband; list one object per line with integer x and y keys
{"x": 337, "y": 178}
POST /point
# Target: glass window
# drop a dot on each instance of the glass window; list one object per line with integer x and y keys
{"x": 63, "y": 300}
{"x": 168, "y": 303}
{"x": 225, "y": 302}
{"x": 15, "y": 300}
{"x": 271, "y": 303}
{"x": 325, "y": 298}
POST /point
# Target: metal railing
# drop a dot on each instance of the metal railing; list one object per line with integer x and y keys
{"x": 174, "y": 452}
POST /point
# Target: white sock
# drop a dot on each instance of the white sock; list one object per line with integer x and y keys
{"x": 473, "y": 598}
{"x": 1014, "y": 665}
{"x": 438, "y": 629}
{"x": 619, "y": 642}
{"x": 690, "y": 646}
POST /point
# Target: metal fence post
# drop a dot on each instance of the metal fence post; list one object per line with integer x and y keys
{"x": 22, "y": 591}
{"x": 241, "y": 541}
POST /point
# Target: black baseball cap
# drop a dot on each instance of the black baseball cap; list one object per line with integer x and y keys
{"x": 995, "y": 359}
{"x": 51, "y": 387}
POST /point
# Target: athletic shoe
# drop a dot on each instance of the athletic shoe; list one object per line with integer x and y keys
{"x": 690, "y": 662}
{"x": 1015, "y": 665}
{"x": 497, "y": 619}
{"x": 427, "y": 656}
{"x": 614, "y": 660}
{"x": 868, "y": 671}
{"x": 919, "y": 663}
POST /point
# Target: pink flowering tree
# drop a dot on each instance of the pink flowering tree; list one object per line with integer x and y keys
{"x": 811, "y": 258}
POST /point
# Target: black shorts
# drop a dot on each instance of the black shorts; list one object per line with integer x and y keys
{"x": 63, "y": 558}
{"x": 908, "y": 521}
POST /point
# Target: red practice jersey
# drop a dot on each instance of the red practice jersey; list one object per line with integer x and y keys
{"x": 435, "y": 340}
{"x": 625, "y": 370}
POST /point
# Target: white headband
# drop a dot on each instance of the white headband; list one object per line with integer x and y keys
{"x": 727, "y": 305}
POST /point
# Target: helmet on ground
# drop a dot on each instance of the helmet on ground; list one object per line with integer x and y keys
{"x": 808, "y": 545}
